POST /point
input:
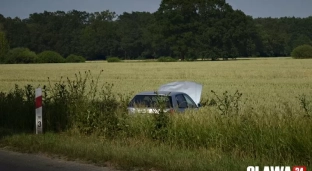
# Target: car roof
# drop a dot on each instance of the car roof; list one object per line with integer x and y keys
{"x": 160, "y": 93}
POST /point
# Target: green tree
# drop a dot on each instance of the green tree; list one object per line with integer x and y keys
{"x": 16, "y": 32}
{"x": 134, "y": 36}
{"x": 210, "y": 29}
{"x": 178, "y": 22}
{"x": 301, "y": 39}
{"x": 185, "y": 29}
{"x": 279, "y": 36}
{"x": 99, "y": 38}
{"x": 58, "y": 31}
{"x": 4, "y": 47}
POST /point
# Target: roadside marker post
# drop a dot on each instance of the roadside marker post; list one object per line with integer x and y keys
{"x": 38, "y": 111}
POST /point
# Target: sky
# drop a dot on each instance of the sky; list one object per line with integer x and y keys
{"x": 254, "y": 8}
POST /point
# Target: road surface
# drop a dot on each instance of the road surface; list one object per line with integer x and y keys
{"x": 13, "y": 161}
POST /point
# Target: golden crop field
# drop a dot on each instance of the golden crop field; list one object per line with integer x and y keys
{"x": 264, "y": 82}
{"x": 271, "y": 127}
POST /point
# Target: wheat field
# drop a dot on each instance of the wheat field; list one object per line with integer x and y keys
{"x": 264, "y": 82}
{"x": 271, "y": 128}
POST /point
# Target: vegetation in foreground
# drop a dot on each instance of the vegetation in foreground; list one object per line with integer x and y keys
{"x": 223, "y": 134}
{"x": 132, "y": 154}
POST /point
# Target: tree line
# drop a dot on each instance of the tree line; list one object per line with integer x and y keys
{"x": 184, "y": 29}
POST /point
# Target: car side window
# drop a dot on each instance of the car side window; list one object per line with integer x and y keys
{"x": 181, "y": 101}
{"x": 190, "y": 102}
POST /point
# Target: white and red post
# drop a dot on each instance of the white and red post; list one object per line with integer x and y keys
{"x": 38, "y": 111}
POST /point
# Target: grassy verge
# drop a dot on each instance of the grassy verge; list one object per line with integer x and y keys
{"x": 128, "y": 154}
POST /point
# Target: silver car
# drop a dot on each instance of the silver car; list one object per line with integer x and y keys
{"x": 172, "y": 97}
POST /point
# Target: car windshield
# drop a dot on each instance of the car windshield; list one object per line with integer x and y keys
{"x": 150, "y": 101}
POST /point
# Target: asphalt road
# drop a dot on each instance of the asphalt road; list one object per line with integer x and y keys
{"x": 13, "y": 161}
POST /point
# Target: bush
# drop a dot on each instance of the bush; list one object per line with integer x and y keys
{"x": 17, "y": 109}
{"x": 81, "y": 104}
{"x": 75, "y": 59}
{"x": 20, "y": 56}
{"x": 113, "y": 59}
{"x": 167, "y": 59}
{"x": 226, "y": 103}
{"x": 50, "y": 57}
{"x": 302, "y": 52}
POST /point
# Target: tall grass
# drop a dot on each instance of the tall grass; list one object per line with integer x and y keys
{"x": 275, "y": 136}
{"x": 129, "y": 154}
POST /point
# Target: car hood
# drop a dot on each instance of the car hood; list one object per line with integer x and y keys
{"x": 193, "y": 89}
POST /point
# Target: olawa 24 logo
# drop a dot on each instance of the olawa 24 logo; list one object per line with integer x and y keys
{"x": 277, "y": 168}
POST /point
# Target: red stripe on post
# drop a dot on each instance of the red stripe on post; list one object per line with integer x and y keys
{"x": 38, "y": 102}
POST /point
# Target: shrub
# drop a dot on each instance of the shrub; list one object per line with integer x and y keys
{"x": 81, "y": 104}
{"x": 302, "y": 52}
{"x": 17, "y": 109}
{"x": 113, "y": 59}
{"x": 84, "y": 105}
{"x": 75, "y": 59}
{"x": 20, "y": 56}
{"x": 227, "y": 104}
{"x": 167, "y": 59}
{"x": 50, "y": 57}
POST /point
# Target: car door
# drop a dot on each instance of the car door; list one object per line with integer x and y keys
{"x": 190, "y": 102}
{"x": 181, "y": 102}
